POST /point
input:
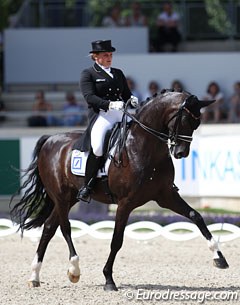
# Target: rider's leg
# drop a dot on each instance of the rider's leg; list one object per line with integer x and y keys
{"x": 94, "y": 160}
{"x": 92, "y": 167}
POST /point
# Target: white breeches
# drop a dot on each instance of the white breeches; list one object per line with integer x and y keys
{"x": 104, "y": 122}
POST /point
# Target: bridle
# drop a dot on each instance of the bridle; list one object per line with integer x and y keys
{"x": 174, "y": 136}
{"x": 170, "y": 139}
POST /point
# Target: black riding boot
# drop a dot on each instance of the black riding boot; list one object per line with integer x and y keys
{"x": 92, "y": 167}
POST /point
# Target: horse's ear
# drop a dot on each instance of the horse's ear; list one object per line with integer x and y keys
{"x": 205, "y": 103}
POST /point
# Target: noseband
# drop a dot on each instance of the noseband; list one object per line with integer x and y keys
{"x": 174, "y": 136}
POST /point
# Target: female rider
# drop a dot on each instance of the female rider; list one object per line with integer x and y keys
{"x": 105, "y": 90}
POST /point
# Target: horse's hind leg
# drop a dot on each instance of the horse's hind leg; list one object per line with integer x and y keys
{"x": 178, "y": 205}
{"x": 49, "y": 230}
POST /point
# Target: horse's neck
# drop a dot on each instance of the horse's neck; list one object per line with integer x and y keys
{"x": 145, "y": 146}
{"x": 153, "y": 116}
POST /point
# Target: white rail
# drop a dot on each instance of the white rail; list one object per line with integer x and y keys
{"x": 142, "y": 230}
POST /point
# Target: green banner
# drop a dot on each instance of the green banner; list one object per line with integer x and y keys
{"x": 9, "y": 167}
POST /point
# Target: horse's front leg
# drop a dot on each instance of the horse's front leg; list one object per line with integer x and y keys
{"x": 178, "y": 205}
{"x": 122, "y": 215}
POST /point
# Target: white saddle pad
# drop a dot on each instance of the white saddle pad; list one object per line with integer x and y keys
{"x": 78, "y": 164}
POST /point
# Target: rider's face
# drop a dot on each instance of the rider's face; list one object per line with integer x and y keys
{"x": 104, "y": 59}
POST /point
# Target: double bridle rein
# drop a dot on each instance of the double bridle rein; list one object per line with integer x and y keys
{"x": 174, "y": 136}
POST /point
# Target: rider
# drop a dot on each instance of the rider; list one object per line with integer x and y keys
{"x": 106, "y": 91}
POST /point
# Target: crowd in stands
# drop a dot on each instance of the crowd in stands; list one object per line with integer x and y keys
{"x": 224, "y": 110}
{"x": 167, "y": 39}
{"x": 167, "y": 24}
{"x": 73, "y": 112}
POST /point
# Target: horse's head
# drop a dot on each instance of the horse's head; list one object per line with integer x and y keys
{"x": 183, "y": 122}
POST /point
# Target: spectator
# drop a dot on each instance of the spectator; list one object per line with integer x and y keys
{"x": 177, "y": 85}
{"x": 153, "y": 88}
{"x": 216, "y": 111}
{"x": 133, "y": 88}
{"x": 234, "y": 105}
{"x": 2, "y": 108}
{"x": 168, "y": 28}
{"x": 38, "y": 118}
{"x": 1, "y": 40}
{"x": 136, "y": 17}
{"x": 114, "y": 18}
{"x": 1, "y": 59}
{"x": 73, "y": 111}
{"x": 13, "y": 21}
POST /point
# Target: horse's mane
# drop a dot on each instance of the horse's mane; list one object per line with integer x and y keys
{"x": 159, "y": 96}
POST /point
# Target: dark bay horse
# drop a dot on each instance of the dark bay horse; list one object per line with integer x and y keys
{"x": 145, "y": 173}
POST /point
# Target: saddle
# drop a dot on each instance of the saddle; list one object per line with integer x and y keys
{"x": 114, "y": 140}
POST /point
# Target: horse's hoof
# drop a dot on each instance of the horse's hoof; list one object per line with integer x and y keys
{"x": 73, "y": 278}
{"x": 110, "y": 287}
{"x": 220, "y": 262}
{"x": 33, "y": 284}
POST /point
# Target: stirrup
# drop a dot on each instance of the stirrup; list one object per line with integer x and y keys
{"x": 84, "y": 194}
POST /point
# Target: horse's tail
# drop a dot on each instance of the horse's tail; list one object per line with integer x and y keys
{"x": 35, "y": 205}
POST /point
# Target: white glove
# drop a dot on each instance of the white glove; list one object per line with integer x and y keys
{"x": 118, "y": 105}
{"x": 134, "y": 101}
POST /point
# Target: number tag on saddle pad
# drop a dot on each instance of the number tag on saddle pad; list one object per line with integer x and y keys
{"x": 78, "y": 164}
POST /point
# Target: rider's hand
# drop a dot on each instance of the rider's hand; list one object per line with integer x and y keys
{"x": 117, "y": 105}
{"x": 134, "y": 101}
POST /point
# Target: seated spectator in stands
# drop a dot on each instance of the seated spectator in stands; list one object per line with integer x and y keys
{"x": 1, "y": 40}
{"x": 133, "y": 88}
{"x": 114, "y": 19}
{"x": 168, "y": 28}
{"x": 217, "y": 110}
{"x": 1, "y": 60}
{"x": 177, "y": 85}
{"x": 41, "y": 105}
{"x": 136, "y": 17}
{"x": 234, "y": 105}
{"x": 73, "y": 111}
{"x": 2, "y": 108}
{"x": 153, "y": 88}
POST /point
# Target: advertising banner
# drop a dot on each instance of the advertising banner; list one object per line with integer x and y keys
{"x": 212, "y": 167}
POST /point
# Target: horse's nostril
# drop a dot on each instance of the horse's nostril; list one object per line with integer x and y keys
{"x": 179, "y": 155}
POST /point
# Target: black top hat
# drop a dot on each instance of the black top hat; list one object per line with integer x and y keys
{"x": 102, "y": 46}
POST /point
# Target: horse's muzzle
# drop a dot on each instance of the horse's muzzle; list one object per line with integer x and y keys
{"x": 181, "y": 151}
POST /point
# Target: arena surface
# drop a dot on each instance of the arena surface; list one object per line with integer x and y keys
{"x": 157, "y": 271}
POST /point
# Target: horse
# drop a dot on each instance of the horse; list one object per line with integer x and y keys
{"x": 161, "y": 127}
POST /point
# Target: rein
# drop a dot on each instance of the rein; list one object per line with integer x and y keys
{"x": 174, "y": 136}
{"x": 161, "y": 136}
{"x": 171, "y": 139}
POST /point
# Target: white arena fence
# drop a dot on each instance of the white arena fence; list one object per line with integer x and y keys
{"x": 142, "y": 230}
